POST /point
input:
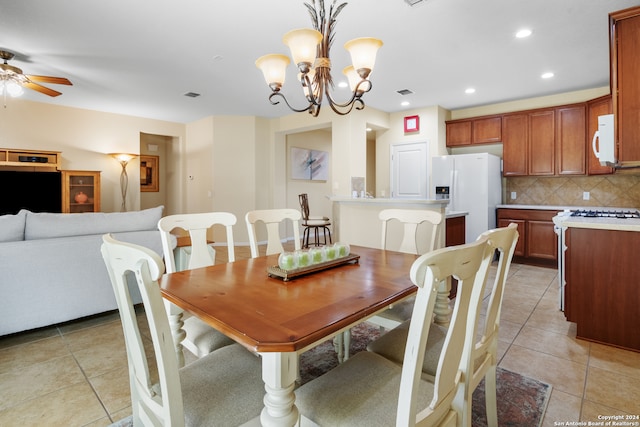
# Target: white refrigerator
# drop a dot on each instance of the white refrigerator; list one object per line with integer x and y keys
{"x": 472, "y": 183}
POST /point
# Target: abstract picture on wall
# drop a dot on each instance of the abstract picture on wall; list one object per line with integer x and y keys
{"x": 309, "y": 164}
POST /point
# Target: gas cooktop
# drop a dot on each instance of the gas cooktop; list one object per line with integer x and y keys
{"x": 606, "y": 213}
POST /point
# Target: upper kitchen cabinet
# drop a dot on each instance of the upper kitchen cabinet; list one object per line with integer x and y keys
{"x": 515, "y": 144}
{"x": 529, "y": 143}
{"x": 596, "y": 107}
{"x": 571, "y": 127}
{"x": 624, "y": 30}
{"x": 485, "y": 130}
{"x": 542, "y": 142}
{"x": 546, "y": 141}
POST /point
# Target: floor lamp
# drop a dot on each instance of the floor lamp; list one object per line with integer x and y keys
{"x": 124, "y": 159}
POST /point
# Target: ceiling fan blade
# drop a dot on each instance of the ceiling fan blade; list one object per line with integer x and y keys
{"x": 41, "y": 89}
{"x": 49, "y": 79}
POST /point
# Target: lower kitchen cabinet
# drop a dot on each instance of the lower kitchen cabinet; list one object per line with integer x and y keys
{"x": 601, "y": 291}
{"x": 537, "y": 241}
{"x": 455, "y": 235}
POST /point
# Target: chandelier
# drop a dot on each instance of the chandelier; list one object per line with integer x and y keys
{"x": 310, "y": 52}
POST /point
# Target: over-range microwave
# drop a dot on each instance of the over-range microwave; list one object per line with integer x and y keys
{"x": 604, "y": 142}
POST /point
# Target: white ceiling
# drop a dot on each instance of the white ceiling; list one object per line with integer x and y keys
{"x": 140, "y": 57}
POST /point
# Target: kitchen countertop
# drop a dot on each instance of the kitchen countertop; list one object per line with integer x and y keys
{"x": 620, "y": 224}
{"x": 561, "y": 208}
{"x": 544, "y": 207}
{"x": 388, "y": 201}
{"x": 455, "y": 214}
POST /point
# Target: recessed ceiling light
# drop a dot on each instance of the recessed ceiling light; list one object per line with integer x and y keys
{"x": 343, "y": 84}
{"x": 369, "y": 129}
{"x": 525, "y": 32}
{"x": 405, "y": 103}
{"x": 547, "y": 75}
{"x": 469, "y": 90}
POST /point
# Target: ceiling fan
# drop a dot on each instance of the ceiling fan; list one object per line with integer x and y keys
{"x": 12, "y": 80}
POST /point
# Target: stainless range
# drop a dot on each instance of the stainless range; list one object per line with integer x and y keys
{"x": 604, "y": 216}
{"x": 613, "y": 213}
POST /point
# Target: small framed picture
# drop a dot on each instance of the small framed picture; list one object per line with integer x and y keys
{"x": 412, "y": 123}
{"x": 149, "y": 173}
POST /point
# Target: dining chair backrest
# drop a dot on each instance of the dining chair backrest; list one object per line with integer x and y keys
{"x": 304, "y": 205}
{"x": 411, "y": 219}
{"x": 164, "y": 406}
{"x": 197, "y": 225}
{"x": 272, "y": 218}
{"x": 468, "y": 264}
{"x": 483, "y": 359}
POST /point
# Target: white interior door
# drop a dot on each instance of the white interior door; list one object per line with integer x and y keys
{"x": 409, "y": 171}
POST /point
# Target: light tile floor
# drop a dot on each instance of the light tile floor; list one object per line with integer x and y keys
{"x": 76, "y": 374}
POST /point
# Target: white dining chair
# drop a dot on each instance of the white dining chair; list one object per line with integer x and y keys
{"x": 369, "y": 389}
{"x": 411, "y": 220}
{"x": 222, "y": 388}
{"x": 272, "y": 219}
{"x": 200, "y": 338}
{"x": 483, "y": 360}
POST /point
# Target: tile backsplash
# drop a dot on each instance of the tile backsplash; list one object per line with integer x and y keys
{"x": 618, "y": 190}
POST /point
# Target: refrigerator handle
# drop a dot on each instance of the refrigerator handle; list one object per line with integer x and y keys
{"x": 454, "y": 190}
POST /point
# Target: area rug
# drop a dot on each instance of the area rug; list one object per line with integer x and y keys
{"x": 522, "y": 401}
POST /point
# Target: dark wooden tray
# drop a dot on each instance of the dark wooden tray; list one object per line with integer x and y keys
{"x": 286, "y": 275}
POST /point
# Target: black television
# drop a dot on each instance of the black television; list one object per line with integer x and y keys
{"x": 35, "y": 191}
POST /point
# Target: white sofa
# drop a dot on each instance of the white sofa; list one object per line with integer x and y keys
{"x": 51, "y": 268}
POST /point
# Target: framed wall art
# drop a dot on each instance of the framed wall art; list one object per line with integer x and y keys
{"x": 149, "y": 180}
{"x": 412, "y": 123}
{"x": 309, "y": 164}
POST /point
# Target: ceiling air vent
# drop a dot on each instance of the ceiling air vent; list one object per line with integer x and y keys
{"x": 405, "y": 92}
{"x": 192, "y": 94}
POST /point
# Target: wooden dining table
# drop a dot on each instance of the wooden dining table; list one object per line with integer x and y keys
{"x": 280, "y": 319}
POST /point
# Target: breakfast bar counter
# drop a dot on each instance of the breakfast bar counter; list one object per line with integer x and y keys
{"x": 356, "y": 222}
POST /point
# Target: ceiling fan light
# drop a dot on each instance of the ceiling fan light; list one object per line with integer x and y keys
{"x": 13, "y": 89}
{"x": 363, "y": 54}
{"x": 274, "y": 69}
{"x": 303, "y": 44}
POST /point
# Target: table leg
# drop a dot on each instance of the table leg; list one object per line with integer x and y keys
{"x": 442, "y": 309}
{"x": 175, "y": 323}
{"x": 279, "y": 373}
{"x": 346, "y": 337}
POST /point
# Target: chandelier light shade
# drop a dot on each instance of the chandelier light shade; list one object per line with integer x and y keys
{"x": 310, "y": 51}
{"x": 274, "y": 68}
{"x": 303, "y": 45}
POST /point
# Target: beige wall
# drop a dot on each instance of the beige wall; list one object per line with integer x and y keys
{"x": 235, "y": 163}
{"x": 317, "y": 191}
{"x": 84, "y": 137}
{"x": 432, "y": 130}
{"x": 531, "y": 103}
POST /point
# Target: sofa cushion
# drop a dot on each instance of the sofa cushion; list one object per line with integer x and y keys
{"x": 12, "y": 227}
{"x": 52, "y": 225}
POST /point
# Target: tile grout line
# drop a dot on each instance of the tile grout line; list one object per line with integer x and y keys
{"x": 86, "y": 378}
